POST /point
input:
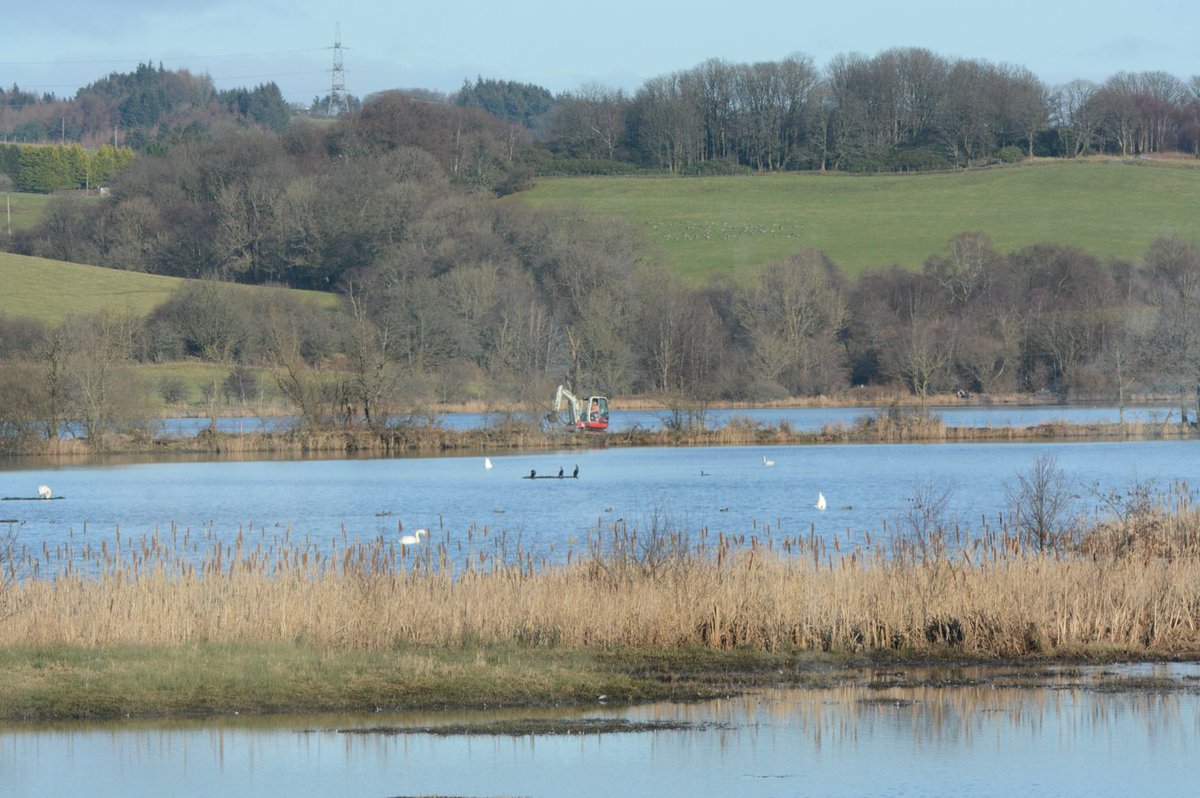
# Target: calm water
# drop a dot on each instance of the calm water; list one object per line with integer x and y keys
{"x": 1068, "y": 740}
{"x": 722, "y": 489}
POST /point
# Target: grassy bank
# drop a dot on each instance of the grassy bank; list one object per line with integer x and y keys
{"x": 267, "y": 622}
{"x": 64, "y": 681}
{"x": 738, "y": 224}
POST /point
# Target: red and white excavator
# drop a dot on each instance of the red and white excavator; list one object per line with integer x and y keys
{"x": 590, "y": 415}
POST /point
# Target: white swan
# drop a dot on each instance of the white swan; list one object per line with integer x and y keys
{"x": 413, "y": 539}
{"x": 487, "y": 462}
{"x": 820, "y": 505}
{"x": 44, "y": 491}
{"x": 767, "y": 462}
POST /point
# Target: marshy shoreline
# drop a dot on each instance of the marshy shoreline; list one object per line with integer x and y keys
{"x": 81, "y": 684}
{"x": 270, "y": 624}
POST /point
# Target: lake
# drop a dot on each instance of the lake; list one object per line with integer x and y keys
{"x": 1076, "y": 736}
{"x": 720, "y": 489}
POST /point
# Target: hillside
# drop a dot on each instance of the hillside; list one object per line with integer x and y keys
{"x": 736, "y": 224}
{"x": 52, "y": 290}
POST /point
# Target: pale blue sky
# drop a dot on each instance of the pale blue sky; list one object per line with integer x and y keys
{"x": 564, "y": 45}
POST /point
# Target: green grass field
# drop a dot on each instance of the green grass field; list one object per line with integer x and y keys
{"x": 51, "y": 290}
{"x": 698, "y": 226}
{"x": 20, "y": 211}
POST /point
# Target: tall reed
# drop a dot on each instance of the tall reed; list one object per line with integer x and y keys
{"x": 1130, "y": 587}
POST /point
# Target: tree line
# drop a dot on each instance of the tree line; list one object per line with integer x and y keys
{"x": 900, "y": 110}
{"x": 526, "y": 300}
{"x": 903, "y": 109}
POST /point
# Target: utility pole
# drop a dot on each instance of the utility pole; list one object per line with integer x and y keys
{"x": 337, "y": 88}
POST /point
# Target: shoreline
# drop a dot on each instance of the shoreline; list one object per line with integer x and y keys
{"x": 210, "y": 681}
{"x": 867, "y": 401}
{"x": 515, "y": 435}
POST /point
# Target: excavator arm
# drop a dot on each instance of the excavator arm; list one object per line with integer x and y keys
{"x": 572, "y": 402}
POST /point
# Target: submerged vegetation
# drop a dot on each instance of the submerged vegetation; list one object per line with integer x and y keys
{"x": 363, "y": 623}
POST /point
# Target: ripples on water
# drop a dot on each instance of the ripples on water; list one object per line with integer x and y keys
{"x": 985, "y": 740}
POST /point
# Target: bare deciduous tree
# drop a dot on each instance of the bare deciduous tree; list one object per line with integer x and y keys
{"x": 921, "y": 358}
{"x": 1041, "y": 501}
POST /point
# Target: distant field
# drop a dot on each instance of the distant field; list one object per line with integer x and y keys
{"x": 736, "y": 224}
{"x": 51, "y": 290}
{"x": 21, "y": 210}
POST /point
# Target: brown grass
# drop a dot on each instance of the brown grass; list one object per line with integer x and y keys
{"x": 1129, "y": 589}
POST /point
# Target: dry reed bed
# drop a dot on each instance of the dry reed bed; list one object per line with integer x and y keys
{"x": 986, "y": 596}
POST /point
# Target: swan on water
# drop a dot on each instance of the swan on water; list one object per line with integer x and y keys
{"x": 487, "y": 462}
{"x": 767, "y": 462}
{"x": 820, "y": 505}
{"x": 44, "y": 491}
{"x": 413, "y": 539}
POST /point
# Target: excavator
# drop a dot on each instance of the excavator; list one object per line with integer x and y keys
{"x": 590, "y": 415}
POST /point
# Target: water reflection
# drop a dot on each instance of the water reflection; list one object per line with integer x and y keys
{"x": 1075, "y": 737}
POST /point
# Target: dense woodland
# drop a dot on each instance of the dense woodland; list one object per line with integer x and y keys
{"x": 451, "y": 294}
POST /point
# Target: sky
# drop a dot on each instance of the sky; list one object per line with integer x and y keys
{"x": 565, "y": 45}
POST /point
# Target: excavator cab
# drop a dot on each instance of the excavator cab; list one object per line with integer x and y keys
{"x": 595, "y": 414}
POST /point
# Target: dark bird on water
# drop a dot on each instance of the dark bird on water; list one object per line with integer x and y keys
{"x": 560, "y": 473}
{"x": 532, "y": 473}
{"x": 575, "y": 473}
